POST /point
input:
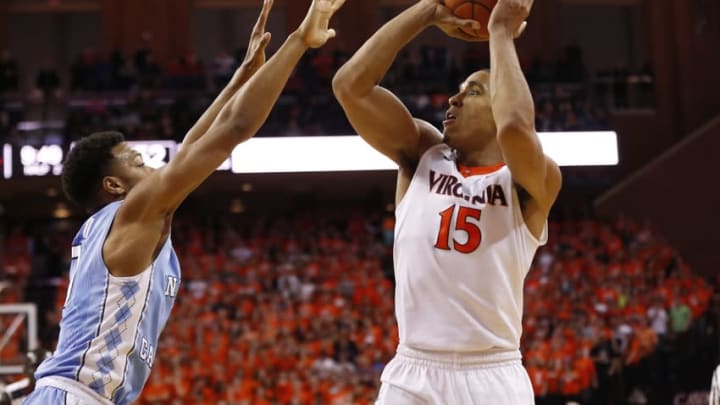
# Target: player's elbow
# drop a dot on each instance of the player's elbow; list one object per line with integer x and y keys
{"x": 232, "y": 119}
{"x": 348, "y": 84}
{"x": 240, "y": 131}
{"x": 341, "y": 85}
{"x": 521, "y": 140}
{"x": 233, "y": 131}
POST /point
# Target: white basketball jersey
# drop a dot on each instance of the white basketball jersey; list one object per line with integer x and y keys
{"x": 461, "y": 254}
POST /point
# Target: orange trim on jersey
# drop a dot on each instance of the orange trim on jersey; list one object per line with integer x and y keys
{"x": 475, "y": 170}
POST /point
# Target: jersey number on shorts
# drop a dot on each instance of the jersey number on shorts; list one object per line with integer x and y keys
{"x": 472, "y": 229}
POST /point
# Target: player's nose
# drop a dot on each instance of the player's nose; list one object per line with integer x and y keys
{"x": 456, "y": 100}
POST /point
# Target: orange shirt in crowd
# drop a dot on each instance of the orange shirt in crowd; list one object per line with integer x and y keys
{"x": 539, "y": 380}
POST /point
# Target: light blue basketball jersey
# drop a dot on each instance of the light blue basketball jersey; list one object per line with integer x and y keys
{"x": 110, "y": 325}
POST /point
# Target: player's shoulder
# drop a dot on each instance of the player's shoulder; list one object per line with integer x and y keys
{"x": 428, "y": 135}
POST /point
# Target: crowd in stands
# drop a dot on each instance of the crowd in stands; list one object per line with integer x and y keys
{"x": 607, "y": 307}
{"x": 147, "y": 99}
{"x": 299, "y": 310}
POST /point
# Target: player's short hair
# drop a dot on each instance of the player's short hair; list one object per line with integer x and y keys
{"x": 86, "y": 165}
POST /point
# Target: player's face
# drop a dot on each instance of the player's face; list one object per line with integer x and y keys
{"x": 128, "y": 166}
{"x": 469, "y": 122}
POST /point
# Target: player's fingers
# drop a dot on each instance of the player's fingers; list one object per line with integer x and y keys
{"x": 264, "y": 41}
{"x": 260, "y": 45}
{"x": 476, "y": 33}
{"x": 262, "y": 19}
{"x": 461, "y": 22}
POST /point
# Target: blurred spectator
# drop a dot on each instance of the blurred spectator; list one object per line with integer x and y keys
{"x": 223, "y": 69}
{"x": 9, "y": 74}
{"x": 47, "y": 79}
{"x": 186, "y": 72}
{"x": 124, "y": 72}
{"x": 680, "y": 317}
{"x": 149, "y": 71}
{"x": 659, "y": 318}
{"x": 7, "y": 124}
{"x": 571, "y": 67}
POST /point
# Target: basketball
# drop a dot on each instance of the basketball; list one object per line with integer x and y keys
{"x": 478, "y": 10}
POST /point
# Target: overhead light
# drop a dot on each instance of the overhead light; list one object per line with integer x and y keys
{"x": 351, "y": 153}
{"x": 61, "y": 211}
{"x": 237, "y": 206}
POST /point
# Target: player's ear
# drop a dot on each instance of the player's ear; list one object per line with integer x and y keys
{"x": 114, "y": 186}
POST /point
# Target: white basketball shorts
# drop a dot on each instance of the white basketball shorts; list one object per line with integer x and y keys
{"x": 415, "y": 377}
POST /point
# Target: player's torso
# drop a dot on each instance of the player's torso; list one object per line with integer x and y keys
{"x": 111, "y": 325}
{"x": 462, "y": 251}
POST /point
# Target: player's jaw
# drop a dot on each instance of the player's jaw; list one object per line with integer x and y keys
{"x": 453, "y": 126}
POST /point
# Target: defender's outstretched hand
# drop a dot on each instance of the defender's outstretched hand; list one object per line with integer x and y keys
{"x": 259, "y": 40}
{"x": 314, "y": 29}
{"x": 254, "y": 59}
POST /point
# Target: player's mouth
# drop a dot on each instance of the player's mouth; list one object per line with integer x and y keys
{"x": 449, "y": 118}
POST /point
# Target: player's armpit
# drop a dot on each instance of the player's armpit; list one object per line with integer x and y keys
{"x": 531, "y": 169}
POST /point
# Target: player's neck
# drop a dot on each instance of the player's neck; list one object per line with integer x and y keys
{"x": 487, "y": 156}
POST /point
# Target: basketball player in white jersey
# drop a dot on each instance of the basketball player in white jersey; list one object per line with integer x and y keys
{"x": 124, "y": 274}
{"x": 472, "y": 208}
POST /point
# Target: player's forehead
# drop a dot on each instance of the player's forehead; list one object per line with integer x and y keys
{"x": 121, "y": 148}
{"x": 481, "y": 78}
{"x": 124, "y": 151}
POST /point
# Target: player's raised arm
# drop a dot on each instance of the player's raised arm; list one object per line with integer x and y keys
{"x": 513, "y": 108}
{"x": 237, "y": 121}
{"x": 254, "y": 59}
{"x": 375, "y": 113}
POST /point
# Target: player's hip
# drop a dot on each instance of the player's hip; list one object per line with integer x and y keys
{"x": 71, "y": 392}
{"x": 458, "y": 360}
{"x": 428, "y": 377}
{"x": 455, "y": 336}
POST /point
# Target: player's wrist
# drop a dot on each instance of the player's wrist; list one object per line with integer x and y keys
{"x": 427, "y": 12}
{"x": 499, "y": 31}
{"x": 297, "y": 39}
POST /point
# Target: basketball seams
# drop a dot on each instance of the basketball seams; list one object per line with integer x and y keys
{"x": 478, "y": 10}
{"x": 473, "y": 3}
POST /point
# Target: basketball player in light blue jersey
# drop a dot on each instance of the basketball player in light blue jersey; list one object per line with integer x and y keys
{"x": 124, "y": 274}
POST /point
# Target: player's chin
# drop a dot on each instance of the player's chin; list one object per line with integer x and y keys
{"x": 448, "y": 133}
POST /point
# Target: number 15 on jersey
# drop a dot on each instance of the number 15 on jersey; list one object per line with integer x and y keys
{"x": 467, "y": 220}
